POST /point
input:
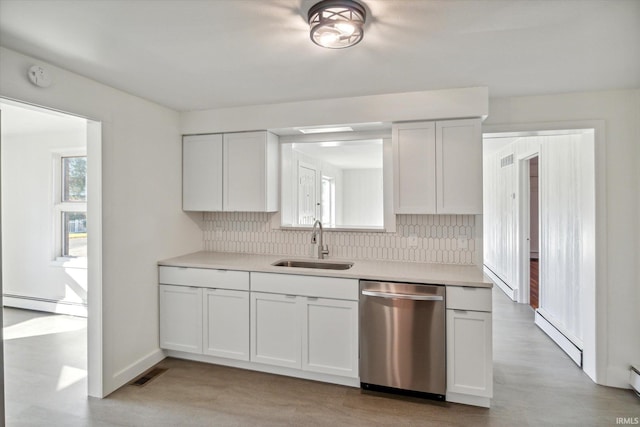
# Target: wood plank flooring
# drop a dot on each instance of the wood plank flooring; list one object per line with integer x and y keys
{"x": 535, "y": 384}
{"x": 534, "y": 299}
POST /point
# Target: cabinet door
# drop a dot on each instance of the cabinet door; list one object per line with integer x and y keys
{"x": 181, "y": 318}
{"x": 202, "y": 173}
{"x": 414, "y": 172}
{"x": 226, "y": 323}
{"x": 330, "y": 336}
{"x": 275, "y": 329}
{"x": 459, "y": 166}
{"x": 469, "y": 353}
{"x": 251, "y": 172}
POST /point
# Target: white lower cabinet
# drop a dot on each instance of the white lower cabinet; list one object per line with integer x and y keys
{"x": 308, "y": 333}
{"x": 226, "y": 323}
{"x": 205, "y": 311}
{"x": 469, "y": 347}
{"x": 181, "y": 318}
{"x": 315, "y": 329}
{"x": 330, "y": 336}
{"x": 275, "y": 329}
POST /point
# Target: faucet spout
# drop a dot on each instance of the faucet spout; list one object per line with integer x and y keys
{"x": 316, "y": 237}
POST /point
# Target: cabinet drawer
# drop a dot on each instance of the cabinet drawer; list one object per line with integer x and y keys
{"x": 205, "y": 278}
{"x": 468, "y": 298}
{"x": 310, "y": 286}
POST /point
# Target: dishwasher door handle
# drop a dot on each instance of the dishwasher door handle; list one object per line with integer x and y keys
{"x": 403, "y": 296}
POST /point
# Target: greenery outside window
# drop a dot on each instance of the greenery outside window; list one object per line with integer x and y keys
{"x": 72, "y": 207}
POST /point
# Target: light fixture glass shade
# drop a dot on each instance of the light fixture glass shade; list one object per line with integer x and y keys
{"x": 337, "y": 24}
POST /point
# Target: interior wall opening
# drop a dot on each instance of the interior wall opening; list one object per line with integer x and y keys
{"x": 50, "y": 216}
{"x": 539, "y": 229}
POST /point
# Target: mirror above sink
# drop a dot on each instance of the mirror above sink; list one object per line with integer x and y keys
{"x": 336, "y": 177}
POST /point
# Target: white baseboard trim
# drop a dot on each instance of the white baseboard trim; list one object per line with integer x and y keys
{"x": 511, "y": 293}
{"x": 255, "y": 366}
{"x": 466, "y": 399}
{"x": 49, "y": 306}
{"x": 563, "y": 342}
{"x": 138, "y": 367}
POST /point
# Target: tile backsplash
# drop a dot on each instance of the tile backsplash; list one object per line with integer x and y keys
{"x": 436, "y": 235}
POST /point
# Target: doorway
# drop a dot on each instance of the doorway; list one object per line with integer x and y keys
{"x": 540, "y": 228}
{"x": 534, "y": 234}
{"x": 51, "y": 233}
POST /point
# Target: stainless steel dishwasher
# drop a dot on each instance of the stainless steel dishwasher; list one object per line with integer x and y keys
{"x": 402, "y": 338}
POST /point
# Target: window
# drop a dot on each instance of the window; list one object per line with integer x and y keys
{"x": 71, "y": 208}
{"x": 328, "y": 201}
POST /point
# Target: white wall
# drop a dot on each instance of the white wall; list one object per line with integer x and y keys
{"x": 142, "y": 220}
{"x": 617, "y": 210}
{"x": 362, "y": 199}
{"x": 29, "y": 236}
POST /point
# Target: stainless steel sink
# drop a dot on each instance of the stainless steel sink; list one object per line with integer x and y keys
{"x": 325, "y": 265}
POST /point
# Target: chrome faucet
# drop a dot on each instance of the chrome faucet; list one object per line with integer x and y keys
{"x": 317, "y": 229}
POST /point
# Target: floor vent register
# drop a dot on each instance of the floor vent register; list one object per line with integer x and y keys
{"x": 148, "y": 376}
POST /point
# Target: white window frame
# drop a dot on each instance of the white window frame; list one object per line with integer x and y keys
{"x": 60, "y": 207}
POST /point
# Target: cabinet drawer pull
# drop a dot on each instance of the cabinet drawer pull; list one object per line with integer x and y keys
{"x": 460, "y": 311}
{"x": 290, "y": 296}
{"x": 312, "y": 298}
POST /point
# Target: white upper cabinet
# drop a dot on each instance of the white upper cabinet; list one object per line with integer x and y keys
{"x": 230, "y": 172}
{"x": 414, "y": 158}
{"x": 250, "y": 172}
{"x": 202, "y": 173}
{"x": 438, "y": 167}
{"x": 459, "y": 166}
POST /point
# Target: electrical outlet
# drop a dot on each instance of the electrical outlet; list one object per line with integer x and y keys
{"x": 217, "y": 232}
{"x": 412, "y": 241}
{"x": 463, "y": 242}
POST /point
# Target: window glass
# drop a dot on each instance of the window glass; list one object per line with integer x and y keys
{"x": 74, "y": 234}
{"x": 74, "y": 179}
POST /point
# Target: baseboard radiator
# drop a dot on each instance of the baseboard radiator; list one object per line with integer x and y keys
{"x": 44, "y": 304}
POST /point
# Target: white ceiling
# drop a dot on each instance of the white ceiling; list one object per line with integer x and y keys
{"x": 200, "y": 54}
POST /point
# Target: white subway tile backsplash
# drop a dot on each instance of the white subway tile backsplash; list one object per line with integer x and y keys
{"x": 437, "y": 238}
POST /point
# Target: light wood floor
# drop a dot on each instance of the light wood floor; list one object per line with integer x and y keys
{"x": 535, "y": 383}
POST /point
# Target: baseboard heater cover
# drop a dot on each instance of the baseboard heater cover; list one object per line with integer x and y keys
{"x": 634, "y": 378}
{"x": 504, "y": 286}
{"x": 45, "y": 305}
{"x": 573, "y": 351}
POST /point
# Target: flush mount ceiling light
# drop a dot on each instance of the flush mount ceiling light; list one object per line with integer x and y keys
{"x": 336, "y": 24}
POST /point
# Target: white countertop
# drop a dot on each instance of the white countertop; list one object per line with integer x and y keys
{"x": 444, "y": 274}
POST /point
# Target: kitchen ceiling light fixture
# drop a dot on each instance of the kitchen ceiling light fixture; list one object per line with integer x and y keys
{"x": 336, "y": 24}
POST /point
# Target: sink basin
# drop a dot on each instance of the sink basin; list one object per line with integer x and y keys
{"x": 325, "y": 265}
